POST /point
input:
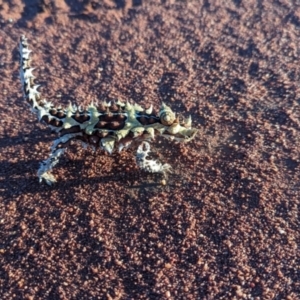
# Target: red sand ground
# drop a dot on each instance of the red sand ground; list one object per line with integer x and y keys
{"x": 226, "y": 225}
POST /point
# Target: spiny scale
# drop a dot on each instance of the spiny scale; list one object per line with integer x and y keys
{"x": 101, "y": 125}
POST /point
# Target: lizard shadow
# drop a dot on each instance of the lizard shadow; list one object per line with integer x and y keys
{"x": 18, "y": 176}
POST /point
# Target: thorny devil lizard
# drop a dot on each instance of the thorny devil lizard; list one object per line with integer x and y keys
{"x": 104, "y": 125}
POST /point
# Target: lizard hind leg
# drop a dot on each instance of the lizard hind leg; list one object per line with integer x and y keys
{"x": 47, "y": 165}
{"x": 58, "y": 148}
{"x": 150, "y": 165}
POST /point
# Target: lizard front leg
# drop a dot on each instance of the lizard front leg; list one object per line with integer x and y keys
{"x": 150, "y": 165}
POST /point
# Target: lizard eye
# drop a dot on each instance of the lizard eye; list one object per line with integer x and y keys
{"x": 167, "y": 117}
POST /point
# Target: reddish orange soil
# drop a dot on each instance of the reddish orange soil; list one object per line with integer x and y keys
{"x": 226, "y": 224}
